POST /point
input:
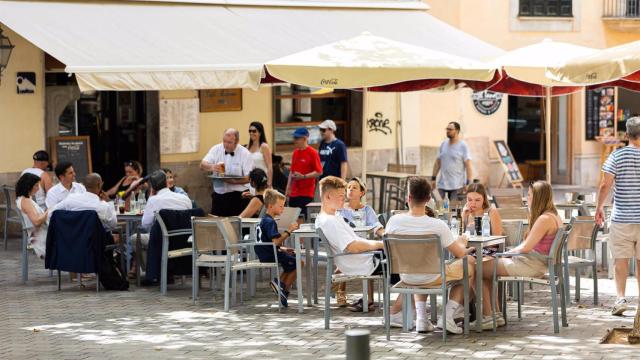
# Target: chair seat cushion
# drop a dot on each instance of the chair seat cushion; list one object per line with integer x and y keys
{"x": 574, "y": 260}
{"x": 207, "y": 258}
{"x": 402, "y": 285}
{"x": 179, "y": 253}
{"x": 544, "y": 280}
{"x": 253, "y": 264}
{"x": 336, "y": 278}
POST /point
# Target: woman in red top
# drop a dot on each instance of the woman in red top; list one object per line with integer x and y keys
{"x": 305, "y": 168}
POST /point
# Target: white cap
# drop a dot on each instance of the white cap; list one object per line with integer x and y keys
{"x": 328, "y": 124}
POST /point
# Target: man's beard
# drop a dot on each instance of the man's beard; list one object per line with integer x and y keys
{"x": 450, "y": 136}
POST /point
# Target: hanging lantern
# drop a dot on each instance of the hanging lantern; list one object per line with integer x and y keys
{"x": 5, "y": 52}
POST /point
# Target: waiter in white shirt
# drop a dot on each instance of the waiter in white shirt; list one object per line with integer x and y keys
{"x": 67, "y": 185}
{"x": 228, "y": 158}
{"x": 92, "y": 199}
{"x": 39, "y": 169}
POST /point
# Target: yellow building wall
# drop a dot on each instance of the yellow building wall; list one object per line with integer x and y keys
{"x": 256, "y": 107}
{"x": 21, "y": 116}
{"x": 493, "y": 21}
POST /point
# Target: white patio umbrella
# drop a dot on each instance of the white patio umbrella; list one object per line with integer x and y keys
{"x": 525, "y": 75}
{"x": 374, "y": 63}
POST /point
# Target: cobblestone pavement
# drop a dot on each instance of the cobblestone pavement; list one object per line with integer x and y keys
{"x": 38, "y": 322}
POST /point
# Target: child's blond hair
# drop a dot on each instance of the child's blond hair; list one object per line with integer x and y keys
{"x": 271, "y": 196}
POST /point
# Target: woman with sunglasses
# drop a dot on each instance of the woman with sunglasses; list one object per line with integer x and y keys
{"x": 132, "y": 172}
{"x": 260, "y": 150}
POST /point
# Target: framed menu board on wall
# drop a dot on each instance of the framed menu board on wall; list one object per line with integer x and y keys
{"x": 600, "y": 112}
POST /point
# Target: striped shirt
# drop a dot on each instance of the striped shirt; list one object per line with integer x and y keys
{"x": 624, "y": 165}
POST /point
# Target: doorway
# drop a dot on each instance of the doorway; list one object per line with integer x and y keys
{"x": 122, "y": 126}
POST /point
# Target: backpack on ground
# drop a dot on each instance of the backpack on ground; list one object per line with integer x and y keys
{"x": 111, "y": 276}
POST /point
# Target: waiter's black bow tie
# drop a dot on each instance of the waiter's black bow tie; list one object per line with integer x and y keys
{"x": 229, "y": 153}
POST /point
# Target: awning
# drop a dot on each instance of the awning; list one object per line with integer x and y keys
{"x": 133, "y": 45}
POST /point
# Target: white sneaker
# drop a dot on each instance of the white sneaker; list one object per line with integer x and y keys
{"x": 619, "y": 307}
{"x": 487, "y": 323}
{"x": 452, "y": 327}
{"x": 459, "y": 313}
{"x": 424, "y": 325}
{"x": 396, "y": 321}
{"x": 500, "y": 320}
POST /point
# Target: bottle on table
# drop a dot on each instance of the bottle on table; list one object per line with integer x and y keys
{"x": 357, "y": 217}
{"x": 460, "y": 221}
{"x": 445, "y": 203}
{"x": 453, "y": 225}
{"x": 486, "y": 225}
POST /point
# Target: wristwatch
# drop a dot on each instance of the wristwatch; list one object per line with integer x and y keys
{"x": 288, "y": 233}
{"x": 433, "y": 178}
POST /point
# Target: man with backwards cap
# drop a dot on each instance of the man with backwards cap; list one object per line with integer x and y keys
{"x": 333, "y": 152}
{"x": 305, "y": 168}
{"x": 40, "y": 165}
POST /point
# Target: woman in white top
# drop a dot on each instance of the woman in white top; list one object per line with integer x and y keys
{"x": 35, "y": 218}
{"x": 260, "y": 150}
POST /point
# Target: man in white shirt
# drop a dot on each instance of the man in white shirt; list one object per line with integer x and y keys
{"x": 40, "y": 165}
{"x": 67, "y": 185}
{"x": 416, "y": 222}
{"x": 91, "y": 200}
{"x": 161, "y": 198}
{"x": 230, "y": 159}
{"x": 341, "y": 236}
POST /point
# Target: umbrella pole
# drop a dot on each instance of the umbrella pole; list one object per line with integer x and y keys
{"x": 365, "y": 102}
{"x": 547, "y": 124}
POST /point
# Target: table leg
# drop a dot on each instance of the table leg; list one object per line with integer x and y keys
{"x": 479, "y": 288}
{"x": 309, "y": 265}
{"x": 127, "y": 232}
{"x": 252, "y": 272}
{"x": 383, "y": 185}
{"x": 315, "y": 270}
{"x": 296, "y": 240}
{"x": 138, "y": 256}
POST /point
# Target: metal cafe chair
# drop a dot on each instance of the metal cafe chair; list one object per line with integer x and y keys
{"x": 333, "y": 278}
{"x": 10, "y": 215}
{"x": 420, "y": 254}
{"x": 554, "y": 279}
{"x": 583, "y": 236}
{"x": 521, "y": 213}
{"x": 212, "y": 236}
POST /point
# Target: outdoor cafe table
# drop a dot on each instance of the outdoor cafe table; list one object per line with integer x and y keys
{"x": 480, "y": 242}
{"x": 308, "y": 231}
{"x": 384, "y": 176}
{"x": 132, "y": 221}
{"x": 251, "y": 224}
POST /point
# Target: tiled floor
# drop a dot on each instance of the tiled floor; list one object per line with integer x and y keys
{"x": 38, "y": 322}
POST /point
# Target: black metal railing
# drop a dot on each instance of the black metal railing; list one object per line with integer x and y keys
{"x": 621, "y": 8}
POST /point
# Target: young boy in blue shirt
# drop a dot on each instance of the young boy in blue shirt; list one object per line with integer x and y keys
{"x": 267, "y": 233}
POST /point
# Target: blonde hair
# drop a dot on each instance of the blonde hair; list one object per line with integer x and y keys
{"x": 272, "y": 196}
{"x": 331, "y": 183}
{"x": 541, "y": 201}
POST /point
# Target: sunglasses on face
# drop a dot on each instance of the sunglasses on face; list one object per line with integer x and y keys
{"x": 323, "y": 130}
{"x": 251, "y": 131}
{"x": 449, "y": 129}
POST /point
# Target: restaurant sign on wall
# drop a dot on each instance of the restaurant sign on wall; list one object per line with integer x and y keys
{"x": 486, "y": 102}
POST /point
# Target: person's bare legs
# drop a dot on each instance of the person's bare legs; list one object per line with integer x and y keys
{"x": 621, "y": 272}
{"x": 288, "y": 278}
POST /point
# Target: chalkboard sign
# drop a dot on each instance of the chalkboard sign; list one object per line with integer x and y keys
{"x": 600, "y": 112}
{"x": 509, "y": 163}
{"x": 73, "y": 149}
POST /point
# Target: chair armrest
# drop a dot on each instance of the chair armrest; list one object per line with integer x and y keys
{"x": 372, "y": 252}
